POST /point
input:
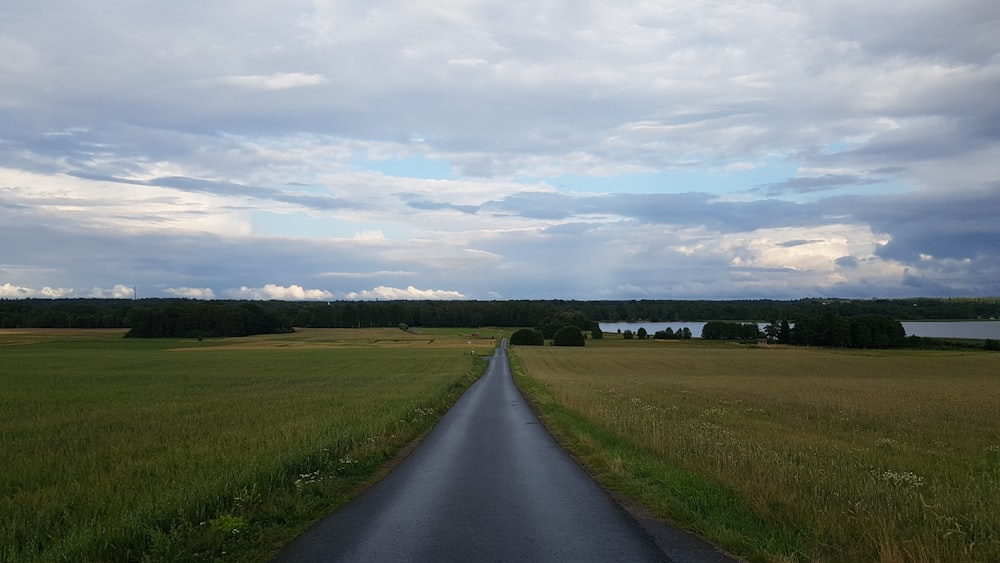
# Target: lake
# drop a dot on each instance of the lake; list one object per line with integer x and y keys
{"x": 936, "y": 329}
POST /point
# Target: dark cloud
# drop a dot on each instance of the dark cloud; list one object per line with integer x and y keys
{"x": 810, "y": 184}
{"x": 926, "y": 30}
{"x": 417, "y": 202}
{"x": 958, "y": 226}
{"x": 229, "y": 189}
{"x": 847, "y": 262}
{"x": 797, "y": 242}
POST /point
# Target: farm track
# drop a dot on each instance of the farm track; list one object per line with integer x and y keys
{"x": 490, "y": 483}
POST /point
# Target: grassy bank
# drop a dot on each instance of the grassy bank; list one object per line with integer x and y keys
{"x": 184, "y": 450}
{"x": 785, "y": 454}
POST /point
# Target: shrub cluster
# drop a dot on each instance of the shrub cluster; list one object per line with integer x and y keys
{"x": 568, "y": 336}
{"x": 721, "y": 330}
{"x": 670, "y": 334}
{"x": 866, "y": 331}
{"x": 527, "y": 337}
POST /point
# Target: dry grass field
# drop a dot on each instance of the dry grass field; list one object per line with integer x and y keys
{"x": 789, "y": 454}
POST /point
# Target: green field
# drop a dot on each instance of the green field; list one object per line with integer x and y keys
{"x": 788, "y": 454}
{"x": 124, "y": 450}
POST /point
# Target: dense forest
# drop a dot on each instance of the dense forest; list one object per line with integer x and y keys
{"x": 197, "y": 319}
{"x": 118, "y": 313}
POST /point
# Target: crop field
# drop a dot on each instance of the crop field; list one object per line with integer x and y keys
{"x": 788, "y": 454}
{"x": 126, "y": 450}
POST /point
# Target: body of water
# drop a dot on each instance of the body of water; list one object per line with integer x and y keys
{"x": 936, "y": 329}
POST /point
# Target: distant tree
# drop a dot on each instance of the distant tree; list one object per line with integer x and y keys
{"x": 865, "y": 331}
{"x": 771, "y": 330}
{"x": 196, "y": 319}
{"x": 568, "y": 336}
{"x": 991, "y": 344}
{"x": 641, "y": 334}
{"x": 628, "y": 334}
{"x": 665, "y": 334}
{"x": 527, "y": 337}
{"x": 838, "y": 332}
{"x": 721, "y": 330}
{"x": 551, "y": 324}
{"x": 784, "y": 333}
{"x": 596, "y": 333}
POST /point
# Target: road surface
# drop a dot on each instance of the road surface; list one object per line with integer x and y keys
{"x": 489, "y": 483}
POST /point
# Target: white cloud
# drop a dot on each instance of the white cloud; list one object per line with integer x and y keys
{"x": 280, "y": 293}
{"x": 191, "y": 292}
{"x": 277, "y": 81}
{"x": 410, "y": 293}
{"x": 369, "y": 235}
{"x": 9, "y": 291}
{"x": 119, "y": 291}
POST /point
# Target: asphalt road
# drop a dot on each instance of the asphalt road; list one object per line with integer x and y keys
{"x": 489, "y": 483}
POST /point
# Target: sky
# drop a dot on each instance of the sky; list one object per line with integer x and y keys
{"x": 451, "y": 149}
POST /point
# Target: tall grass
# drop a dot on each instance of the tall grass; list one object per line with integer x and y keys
{"x": 784, "y": 454}
{"x": 182, "y": 450}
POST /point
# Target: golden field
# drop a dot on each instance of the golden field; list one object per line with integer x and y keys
{"x": 788, "y": 454}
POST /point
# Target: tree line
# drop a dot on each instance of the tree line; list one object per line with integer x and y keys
{"x": 765, "y": 310}
{"x": 811, "y": 322}
{"x": 114, "y": 313}
{"x": 119, "y": 313}
{"x": 209, "y": 319}
{"x": 865, "y": 331}
{"x": 666, "y": 334}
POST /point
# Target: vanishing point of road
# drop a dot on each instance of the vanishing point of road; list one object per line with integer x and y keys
{"x": 489, "y": 483}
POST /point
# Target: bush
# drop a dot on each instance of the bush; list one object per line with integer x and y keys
{"x": 527, "y": 337}
{"x": 568, "y": 336}
{"x": 722, "y": 330}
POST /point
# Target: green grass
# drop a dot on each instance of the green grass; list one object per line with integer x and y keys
{"x": 785, "y": 454}
{"x": 158, "y": 450}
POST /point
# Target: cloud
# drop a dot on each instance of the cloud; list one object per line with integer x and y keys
{"x": 410, "y": 293}
{"x": 847, "y": 262}
{"x": 698, "y": 149}
{"x": 277, "y": 81}
{"x": 190, "y": 292}
{"x": 814, "y": 184}
{"x": 361, "y": 275}
{"x": 9, "y": 291}
{"x": 280, "y": 293}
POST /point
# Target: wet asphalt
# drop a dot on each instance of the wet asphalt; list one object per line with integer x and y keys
{"x": 489, "y": 483}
